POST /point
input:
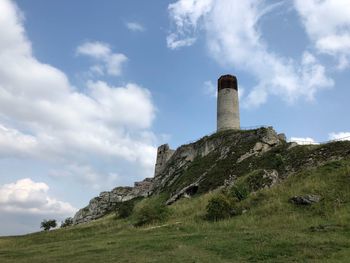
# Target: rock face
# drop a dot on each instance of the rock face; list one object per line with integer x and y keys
{"x": 198, "y": 166}
{"x": 260, "y": 155}
{"x": 305, "y": 199}
{"x": 106, "y": 202}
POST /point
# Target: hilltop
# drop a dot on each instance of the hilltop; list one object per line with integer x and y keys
{"x": 215, "y": 161}
{"x": 291, "y": 204}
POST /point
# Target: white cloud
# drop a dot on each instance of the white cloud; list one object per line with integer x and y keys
{"x": 110, "y": 62}
{"x": 186, "y": 15}
{"x": 339, "y": 136}
{"x": 96, "y": 50}
{"x": 174, "y": 43}
{"x": 43, "y": 116}
{"x": 27, "y": 196}
{"x": 303, "y": 140}
{"x": 23, "y": 146}
{"x": 232, "y": 33}
{"x": 136, "y": 27}
{"x": 327, "y": 23}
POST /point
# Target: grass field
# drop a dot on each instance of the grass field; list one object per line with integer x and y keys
{"x": 272, "y": 230}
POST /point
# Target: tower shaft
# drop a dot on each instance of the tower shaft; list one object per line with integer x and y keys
{"x": 227, "y": 104}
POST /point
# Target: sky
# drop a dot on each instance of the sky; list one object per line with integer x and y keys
{"x": 89, "y": 89}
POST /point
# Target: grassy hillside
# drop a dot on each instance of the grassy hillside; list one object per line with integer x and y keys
{"x": 272, "y": 230}
{"x": 222, "y": 162}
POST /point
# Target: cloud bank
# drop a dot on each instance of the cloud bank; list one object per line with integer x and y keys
{"x": 107, "y": 62}
{"x": 233, "y": 38}
{"x": 27, "y": 196}
{"x": 44, "y": 117}
{"x": 327, "y": 24}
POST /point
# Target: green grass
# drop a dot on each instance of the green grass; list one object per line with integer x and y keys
{"x": 272, "y": 230}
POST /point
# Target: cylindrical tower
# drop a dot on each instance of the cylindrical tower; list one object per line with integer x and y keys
{"x": 228, "y": 106}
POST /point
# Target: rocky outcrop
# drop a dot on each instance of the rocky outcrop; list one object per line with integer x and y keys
{"x": 261, "y": 156}
{"x": 305, "y": 199}
{"x": 268, "y": 141}
{"x": 188, "y": 191}
{"x": 200, "y": 161}
{"x": 106, "y": 202}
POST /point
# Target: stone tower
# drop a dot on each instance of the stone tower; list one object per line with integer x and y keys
{"x": 163, "y": 155}
{"x": 228, "y": 106}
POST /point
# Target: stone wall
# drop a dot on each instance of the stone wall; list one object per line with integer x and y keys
{"x": 164, "y": 153}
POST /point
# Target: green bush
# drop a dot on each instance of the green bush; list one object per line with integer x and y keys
{"x": 67, "y": 222}
{"x": 278, "y": 161}
{"x": 124, "y": 209}
{"x": 239, "y": 191}
{"x": 256, "y": 180}
{"x": 220, "y": 207}
{"x": 150, "y": 210}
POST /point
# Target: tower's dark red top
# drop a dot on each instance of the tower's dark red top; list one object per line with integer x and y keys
{"x": 227, "y": 82}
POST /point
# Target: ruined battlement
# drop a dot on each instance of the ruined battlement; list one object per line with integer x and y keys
{"x": 164, "y": 153}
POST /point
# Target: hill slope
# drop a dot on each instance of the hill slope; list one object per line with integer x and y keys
{"x": 271, "y": 230}
{"x": 217, "y": 160}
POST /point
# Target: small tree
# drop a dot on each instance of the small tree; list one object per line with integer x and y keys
{"x": 67, "y": 222}
{"x": 220, "y": 207}
{"x": 48, "y": 224}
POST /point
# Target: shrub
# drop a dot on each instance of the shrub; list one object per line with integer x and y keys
{"x": 220, "y": 207}
{"x": 125, "y": 209}
{"x": 67, "y": 222}
{"x": 278, "y": 161}
{"x": 150, "y": 210}
{"x": 239, "y": 191}
{"x": 48, "y": 224}
{"x": 256, "y": 180}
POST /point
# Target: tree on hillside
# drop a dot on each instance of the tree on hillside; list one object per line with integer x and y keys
{"x": 48, "y": 224}
{"x": 67, "y": 222}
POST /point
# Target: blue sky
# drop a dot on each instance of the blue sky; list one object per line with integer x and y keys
{"x": 88, "y": 90}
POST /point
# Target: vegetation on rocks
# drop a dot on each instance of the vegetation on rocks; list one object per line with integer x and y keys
{"x": 266, "y": 200}
{"x": 255, "y": 159}
{"x": 271, "y": 230}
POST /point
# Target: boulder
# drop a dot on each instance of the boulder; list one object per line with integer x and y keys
{"x": 305, "y": 199}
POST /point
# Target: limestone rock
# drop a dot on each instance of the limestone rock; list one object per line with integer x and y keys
{"x": 292, "y": 145}
{"x": 268, "y": 140}
{"x": 261, "y": 179}
{"x": 106, "y": 202}
{"x": 224, "y": 145}
{"x": 282, "y": 137}
{"x": 216, "y": 161}
{"x": 259, "y": 148}
{"x": 305, "y": 199}
{"x": 270, "y": 178}
{"x": 188, "y": 191}
{"x": 270, "y": 137}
